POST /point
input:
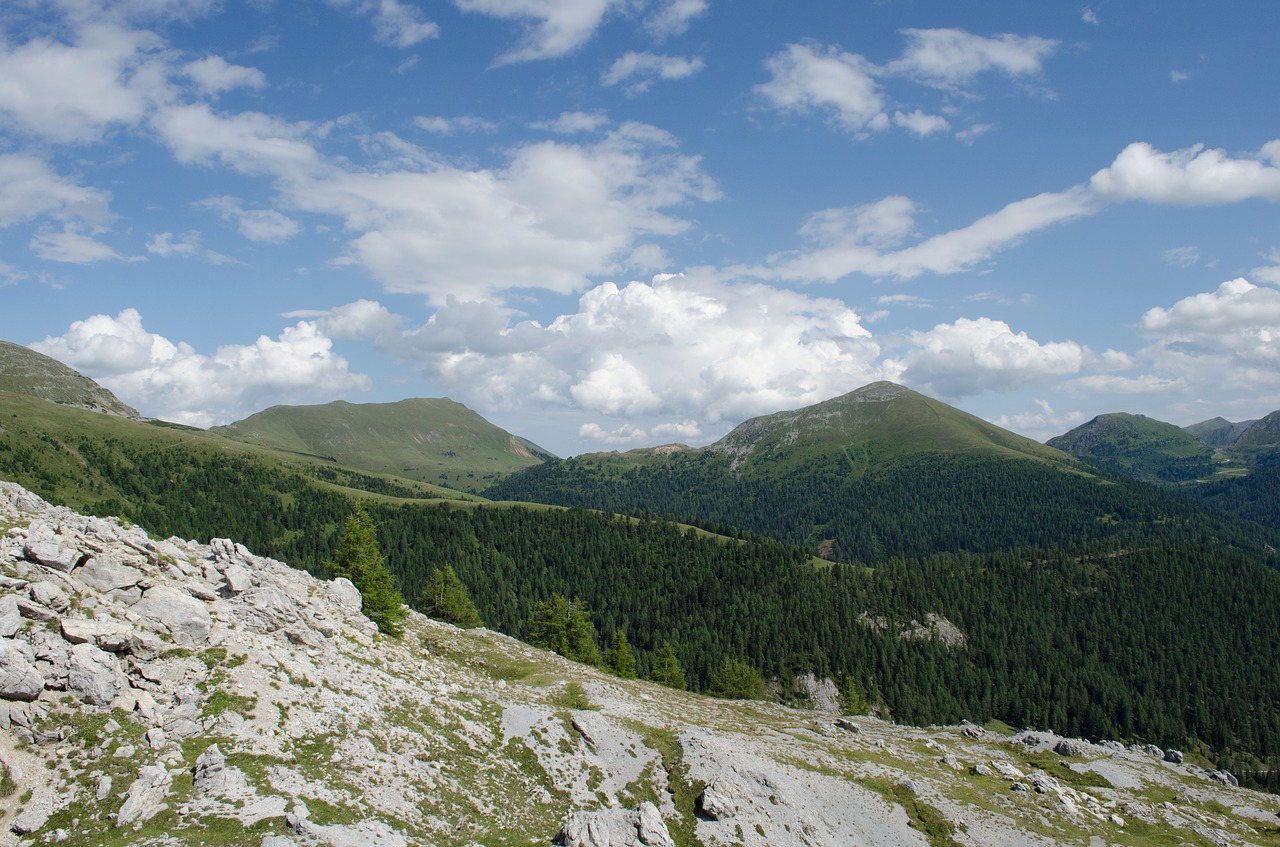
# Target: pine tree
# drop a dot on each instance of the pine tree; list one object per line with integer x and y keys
{"x": 565, "y": 626}
{"x": 737, "y": 680}
{"x": 446, "y": 599}
{"x": 360, "y": 561}
{"x": 620, "y": 661}
{"x": 666, "y": 667}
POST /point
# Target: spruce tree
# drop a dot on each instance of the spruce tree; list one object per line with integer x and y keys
{"x": 620, "y": 661}
{"x": 565, "y": 627}
{"x": 666, "y": 667}
{"x": 446, "y": 599}
{"x": 737, "y": 680}
{"x": 360, "y": 561}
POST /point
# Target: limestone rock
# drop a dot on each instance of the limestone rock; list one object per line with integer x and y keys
{"x": 107, "y": 573}
{"x": 344, "y": 593}
{"x": 1173, "y": 756}
{"x": 724, "y": 797}
{"x": 146, "y": 796}
{"x": 19, "y": 679}
{"x": 848, "y": 725}
{"x": 239, "y": 579}
{"x": 49, "y": 595}
{"x": 52, "y": 552}
{"x": 94, "y": 675}
{"x": 108, "y": 635}
{"x": 185, "y": 617}
{"x": 643, "y": 827}
{"x": 1067, "y": 748}
{"x": 10, "y": 617}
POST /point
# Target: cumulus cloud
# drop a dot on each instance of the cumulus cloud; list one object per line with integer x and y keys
{"x": 1041, "y": 422}
{"x": 676, "y": 351}
{"x": 214, "y": 75}
{"x": 29, "y": 189}
{"x": 809, "y": 78}
{"x": 262, "y": 225}
{"x": 1194, "y": 176}
{"x": 395, "y": 24}
{"x": 648, "y": 67}
{"x": 673, "y": 17}
{"x": 73, "y": 247}
{"x": 167, "y": 244}
{"x": 949, "y": 58}
{"x": 108, "y": 76}
{"x": 571, "y": 123}
{"x": 918, "y": 123}
{"x": 1183, "y": 257}
{"x": 552, "y": 28}
{"x": 174, "y": 382}
{"x": 969, "y": 357}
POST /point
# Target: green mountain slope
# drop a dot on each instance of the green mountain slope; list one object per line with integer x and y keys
{"x": 24, "y": 371}
{"x": 1139, "y": 447}
{"x": 867, "y": 429}
{"x": 878, "y": 473}
{"x": 1218, "y": 432}
{"x": 431, "y": 440}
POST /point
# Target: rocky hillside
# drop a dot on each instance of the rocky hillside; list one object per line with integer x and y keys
{"x": 24, "y": 371}
{"x": 168, "y": 692}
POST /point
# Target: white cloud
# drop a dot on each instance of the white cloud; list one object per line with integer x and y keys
{"x": 73, "y": 247}
{"x": 395, "y": 24}
{"x": 1176, "y": 77}
{"x": 1270, "y": 272}
{"x": 625, "y": 434}
{"x": 167, "y": 244}
{"x": 883, "y": 224}
{"x": 950, "y": 58}
{"x": 1041, "y": 423}
{"x": 969, "y": 357}
{"x": 553, "y": 28}
{"x": 571, "y": 123}
{"x": 261, "y": 225}
{"x": 214, "y": 75}
{"x": 683, "y": 349}
{"x": 1192, "y": 176}
{"x": 29, "y": 189}
{"x": 807, "y": 78}
{"x": 249, "y": 142}
{"x": 649, "y": 66}
{"x": 920, "y": 124}
{"x": 1089, "y": 16}
{"x": 673, "y": 16}
{"x": 449, "y": 126}
{"x": 1183, "y": 257}
{"x": 947, "y": 253}
{"x": 108, "y": 77}
{"x": 174, "y": 382}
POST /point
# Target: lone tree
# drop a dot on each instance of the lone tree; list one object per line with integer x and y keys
{"x": 666, "y": 667}
{"x": 737, "y": 680}
{"x": 565, "y": 626}
{"x": 620, "y": 661}
{"x": 360, "y": 561}
{"x": 446, "y": 599}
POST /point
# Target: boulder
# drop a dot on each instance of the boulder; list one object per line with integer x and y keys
{"x": 186, "y": 618}
{"x": 52, "y": 551}
{"x": 724, "y": 797}
{"x": 239, "y": 579}
{"x": 1067, "y": 748}
{"x": 848, "y": 725}
{"x": 1173, "y": 756}
{"x": 643, "y": 827}
{"x": 343, "y": 592}
{"x": 19, "y": 680}
{"x": 10, "y": 616}
{"x": 94, "y": 675}
{"x": 49, "y": 595}
{"x": 109, "y": 635}
{"x": 33, "y": 611}
{"x": 146, "y": 796}
{"x": 107, "y": 573}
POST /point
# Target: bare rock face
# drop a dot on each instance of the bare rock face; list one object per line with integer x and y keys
{"x": 94, "y": 675}
{"x": 185, "y": 617}
{"x": 18, "y": 677}
{"x": 643, "y": 827}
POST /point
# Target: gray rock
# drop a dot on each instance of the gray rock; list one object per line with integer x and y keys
{"x": 52, "y": 553}
{"x": 848, "y": 725}
{"x": 643, "y": 827}
{"x": 31, "y": 820}
{"x": 33, "y": 611}
{"x": 94, "y": 675}
{"x": 108, "y": 573}
{"x": 239, "y": 579}
{"x": 185, "y": 617}
{"x": 19, "y": 680}
{"x": 724, "y": 797}
{"x": 49, "y": 595}
{"x": 146, "y": 796}
{"x": 1223, "y": 778}
{"x": 344, "y": 593}
{"x": 10, "y": 617}
{"x": 1173, "y": 756}
{"x": 109, "y": 635}
{"x": 1067, "y": 748}
{"x": 104, "y": 789}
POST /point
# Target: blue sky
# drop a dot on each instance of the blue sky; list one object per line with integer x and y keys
{"x": 615, "y": 223}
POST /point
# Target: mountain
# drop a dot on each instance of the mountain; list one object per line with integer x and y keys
{"x": 1218, "y": 432}
{"x": 877, "y": 473}
{"x": 172, "y": 692}
{"x": 430, "y": 440}
{"x": 1261, "y": 436}
{"x": 1140, "y": 447}
{"x": 24, "y": 371}
{"x": 869, "y": 428}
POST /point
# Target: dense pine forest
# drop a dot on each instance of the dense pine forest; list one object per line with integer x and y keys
{"x": 1161, "y": 633}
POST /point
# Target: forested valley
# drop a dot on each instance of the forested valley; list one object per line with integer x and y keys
{"x": 1160, "y": 633}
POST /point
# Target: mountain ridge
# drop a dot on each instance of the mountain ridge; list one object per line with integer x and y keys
{"x": 27, "y": 371}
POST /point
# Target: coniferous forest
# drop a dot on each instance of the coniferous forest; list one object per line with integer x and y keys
{"x": 1157, "y": 624}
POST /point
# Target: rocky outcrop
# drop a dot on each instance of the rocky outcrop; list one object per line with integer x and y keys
{"x": 165, "y": 683}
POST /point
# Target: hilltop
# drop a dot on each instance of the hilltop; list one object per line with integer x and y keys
{"x": 160, "y": 692}
{"x": 428, "y": 440}
{"x": 24, "y": 371}
{"x": 1140, "y": 447}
